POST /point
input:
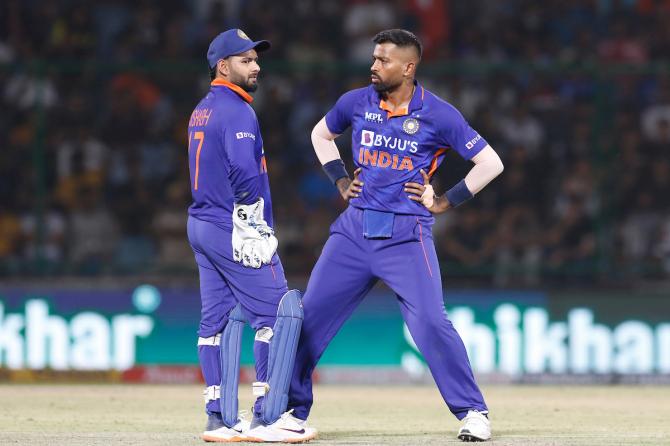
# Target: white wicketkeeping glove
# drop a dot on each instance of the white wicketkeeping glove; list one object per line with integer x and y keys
{"x": 254, "y": 242}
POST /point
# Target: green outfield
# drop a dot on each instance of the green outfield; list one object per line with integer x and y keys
{"x": 362, "y": 415}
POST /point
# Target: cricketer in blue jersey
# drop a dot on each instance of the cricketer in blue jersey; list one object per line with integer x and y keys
{"x": 230, "y": 230}
{"x": 400, "y": 134}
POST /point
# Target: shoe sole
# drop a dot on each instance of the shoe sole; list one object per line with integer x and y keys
{"x": 235, "y": 439}
{"x": 302, "y": 440}
{"x": 291, "y": 441}
{"x": 470, "y": 437}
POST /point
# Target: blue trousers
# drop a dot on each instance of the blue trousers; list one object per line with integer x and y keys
{"x": 225, "y": 282}
{"x": 347, "y": 269}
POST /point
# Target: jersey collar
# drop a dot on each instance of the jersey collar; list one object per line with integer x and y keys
{"x": 414, "y": 104}
{"x": 236, "y": 88}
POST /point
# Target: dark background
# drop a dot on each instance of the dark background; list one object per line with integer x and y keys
{"x": 573, "y": 94}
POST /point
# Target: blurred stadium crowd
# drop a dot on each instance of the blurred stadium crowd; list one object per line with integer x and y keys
{"x": 573, "y": 94}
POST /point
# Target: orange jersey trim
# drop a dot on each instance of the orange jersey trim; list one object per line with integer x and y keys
{"x": 433, "y": 164}
{"x": 399, "y": 112}
{"x": 236, "y": 88}
{"x": 390, "y": 114}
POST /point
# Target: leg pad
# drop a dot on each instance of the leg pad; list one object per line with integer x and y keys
{"x": 283, "y": 345}
{"x": 231, "y": 341}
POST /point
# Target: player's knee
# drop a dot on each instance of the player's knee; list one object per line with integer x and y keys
{"x": 434, "y": 320}
{"x": 211, "y": 324}
{"x": 208, "y": 329}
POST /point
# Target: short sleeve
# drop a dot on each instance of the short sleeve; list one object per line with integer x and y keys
{"x": 456, "y": 133}
{"x": 240, "y": 135}
{"x": 338, "y": 119}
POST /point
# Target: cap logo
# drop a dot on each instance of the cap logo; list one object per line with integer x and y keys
{"x": 410, "y": 126}
{"x": 241, "y": 35}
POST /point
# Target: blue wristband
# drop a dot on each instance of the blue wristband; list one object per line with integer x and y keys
{"x": 335, "y": 170}
{"x": 458, "y": 194}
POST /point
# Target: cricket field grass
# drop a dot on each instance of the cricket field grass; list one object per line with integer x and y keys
{"x": 383, "y": 415}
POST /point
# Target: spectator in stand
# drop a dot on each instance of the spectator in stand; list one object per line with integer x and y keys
{"x": 10, "y": 229}
{"x": 465, "y": 245}
{"x": 168, "y": 228}
{"x": 105, "y": 118}
{"x": 570, "y": 242}
{"x": 43, "y": 240}
{"x": 93, "y": 234}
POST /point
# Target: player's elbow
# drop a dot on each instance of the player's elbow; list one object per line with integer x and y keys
{"x": 498, "y": 167}
{"x": 315, "y": 135}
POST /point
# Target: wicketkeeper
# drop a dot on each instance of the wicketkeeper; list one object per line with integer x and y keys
{"x": 241, "y": 277}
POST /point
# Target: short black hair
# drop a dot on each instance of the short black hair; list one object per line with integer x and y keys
{"x": 400, "y": 37}
{"x": 212, "y": 72}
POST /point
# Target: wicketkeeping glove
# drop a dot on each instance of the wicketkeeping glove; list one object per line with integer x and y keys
{"x": 254, "y": 242}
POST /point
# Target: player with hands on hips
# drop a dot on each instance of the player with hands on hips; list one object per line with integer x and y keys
{"x": 400, "y": 134}
{"x": 230, "y": 229}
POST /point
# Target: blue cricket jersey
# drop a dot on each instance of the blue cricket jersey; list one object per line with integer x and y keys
{"x": 392, "y": 148}
{"x": 226, "y": 157}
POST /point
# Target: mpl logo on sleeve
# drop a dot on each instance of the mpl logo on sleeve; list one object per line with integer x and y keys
{"x": 374, "y": 117}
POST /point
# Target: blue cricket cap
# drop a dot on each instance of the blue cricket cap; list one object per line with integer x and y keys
{"x": 230, "y": 43}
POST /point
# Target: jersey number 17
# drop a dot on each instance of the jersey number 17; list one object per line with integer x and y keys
{"x": 200, "y": 137}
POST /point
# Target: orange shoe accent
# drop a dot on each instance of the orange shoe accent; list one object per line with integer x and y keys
{"x": 235, "y": 439}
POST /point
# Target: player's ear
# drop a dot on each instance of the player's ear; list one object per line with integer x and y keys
{"x": 410, "y": 69}
{"x": 223, "y": 68}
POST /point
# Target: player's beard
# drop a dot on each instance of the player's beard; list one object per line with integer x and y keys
{"x": 245, "y": 82}
{"x": 251, "y": 85}
{"x": 385, "y": 88}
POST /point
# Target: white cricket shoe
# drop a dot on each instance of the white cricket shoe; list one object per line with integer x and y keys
{"x": 476, "y": 427}
{"x": 287, "y": 429}
{"x": 224, "y": 434}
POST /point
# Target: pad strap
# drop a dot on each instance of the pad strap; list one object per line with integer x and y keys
{"x": 260, "y": 388}
{"x": 264, "y": 335}
{"x": 212, "y": 340}
{"x": 211, "y": 393}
